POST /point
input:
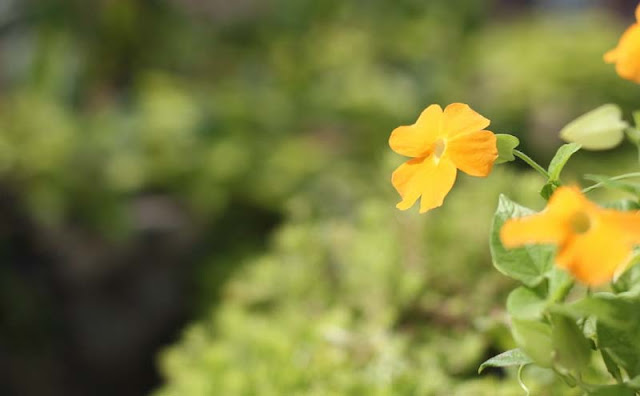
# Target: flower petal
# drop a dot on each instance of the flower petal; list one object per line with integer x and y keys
{"x": 627, "y": 54}
{"x": 611, "y": 56}
{"x": 473, "y": 153}
{"x": 437, "y": 185}
{"x": 459, "y": 118}
{"x": 544, "y": 227}
{"x": 627, "y": 222}
{"x": 595, "y": 256}
{"x": 549, "y": 226}
{"x": 566, "y": 201}
{"x": 423, "y": 177}
{"x": 416, "y": 140}
{"x": 403, "y": 181}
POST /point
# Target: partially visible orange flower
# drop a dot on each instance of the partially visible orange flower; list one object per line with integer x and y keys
{"x": 440, "y": 142}
{"x": 594, "y": 244}
{"x": 626, "y": 55}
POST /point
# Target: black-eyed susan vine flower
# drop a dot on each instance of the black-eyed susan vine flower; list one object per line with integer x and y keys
{"x": 626, "y": 55}
{"x": 440, "y": 142}
{"x": 594, "y": 244}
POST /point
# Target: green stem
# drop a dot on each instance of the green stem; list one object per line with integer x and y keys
{"x": 620, "y": 177}
{"x": 521, "y": 382}
{"x": 562, "y": 291}
{"x": 531, "y": 163}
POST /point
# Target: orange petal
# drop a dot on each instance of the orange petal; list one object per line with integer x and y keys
{"x": 459, "y": 118}
{"x": 595, "y": 256}
{"x": 627, "y": 54}
{"x": 627, "y": 222}
{"x": 544, "y": 227}
{"x": 404, "y": 181}
{"x": 553, "y": 225}
{"x": 611, "y": 56}
{"x": 416, "y": 140}
{"x": 423, "y": 177}
{"x": 437, "y": 185}
{"x": 473, "y": 153}
{"x": 566, "y": 201}
{"x": 638, "y": 13}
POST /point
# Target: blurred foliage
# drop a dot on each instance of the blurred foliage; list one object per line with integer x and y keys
{"x": 284, "y": 108}
{"x": 253, "y": 104}
{"x": 360, "y": 300}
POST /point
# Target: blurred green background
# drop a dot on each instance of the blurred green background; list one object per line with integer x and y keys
{"x": 195, "y": 195}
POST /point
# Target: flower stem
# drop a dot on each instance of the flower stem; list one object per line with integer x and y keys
{"x": 531, "y": 163}
{"x": 614, "y": 178}
{"x": 521, "y": 382}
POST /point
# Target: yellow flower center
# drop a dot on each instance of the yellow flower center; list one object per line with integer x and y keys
{"x": 580, "y": 222}
{"x": 439, "y": 148}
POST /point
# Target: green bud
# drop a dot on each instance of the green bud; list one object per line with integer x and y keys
{"x": 600, "y": 129}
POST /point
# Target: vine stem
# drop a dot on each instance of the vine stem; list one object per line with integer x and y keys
{"x": 620, "y": 177}
{"x": 531, "y": 163}
{"x": 521, "y": 382}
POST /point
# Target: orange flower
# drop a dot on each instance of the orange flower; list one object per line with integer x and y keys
{"x": 440, "y": 142}
{"x": 626, "y": 55}
{"x": 594, "y": 244}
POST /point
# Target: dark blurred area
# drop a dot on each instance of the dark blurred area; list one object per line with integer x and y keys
{"x": 148, "y": 148}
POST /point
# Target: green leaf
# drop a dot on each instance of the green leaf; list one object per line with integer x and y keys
{"x": 600, "y": 129}
{"x": 611, "y": 366}
{"x": 636, "y": 118}
{"x": 560, "y": 284}
{"x": 620, "y": 337}
{"x": 534, "y": 338}
{"x": 609, "y": 308}
{"x": 633, "y": 134}
{"x": 634, "y": 383}
{"x": 513, "y": 357}
{"x": 506, "y": 144}
{"x": 524, "y": 303}
{"x": 572, "y": 350}
{"x": 529, "y": 263}
{"x": 547, "y": 190}
{"x": 611, "y": 390}
{"x": 633, "y": 188}
{"x": 623, "y": 205}
{"x": 560, "y": 160}
{"x": 630, "y": 278}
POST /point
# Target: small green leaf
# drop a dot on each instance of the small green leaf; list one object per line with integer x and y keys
{"x": 622, "y": 185}
{"x": 534, "y": 338}
{"x": 524, "y": 303}
{"x": 571, "y": 349}
{"x": 611, "y": 390}
{"x": 560, "y": 160}
{"x": 547, "y": 190}
{"x": 633, "y": 134}
{"x": 611, "y": 366}
{"x": 506, "y": 144}
{"x": 529, "y": 263}
{"x": 634, "y": 383}
{"x": 600, "y": 129}
{"x": 623, "y": 205}
{"x": 636, "y": 118}
{"x": 609, "y": 308}
{"x": 513, "y": 357}
{"x": 618, "y": 332}
{"x": 630, "y": 278}
{"x": 560, "y": 284}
